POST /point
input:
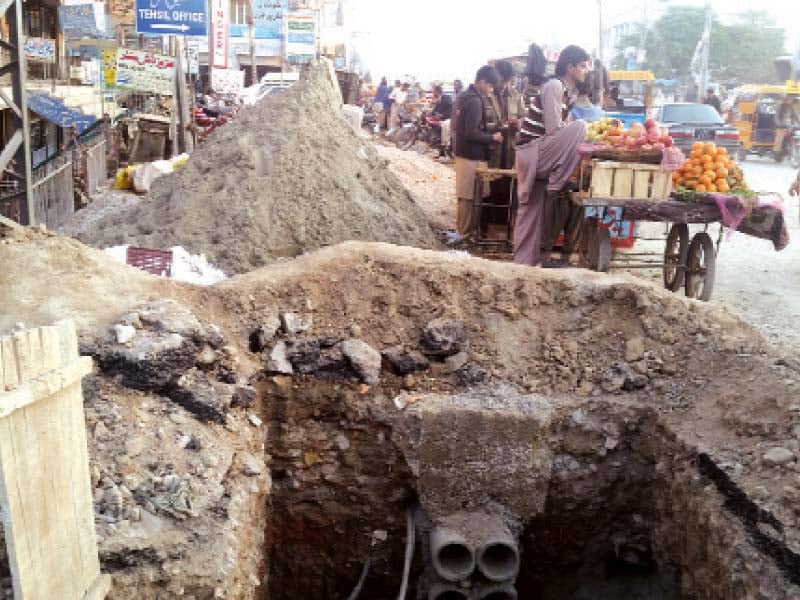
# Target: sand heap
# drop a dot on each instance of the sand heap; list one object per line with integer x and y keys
{"x": 286, "y": 176}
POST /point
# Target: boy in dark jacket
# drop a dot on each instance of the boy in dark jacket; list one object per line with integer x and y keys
{"x": 473, "y": 143}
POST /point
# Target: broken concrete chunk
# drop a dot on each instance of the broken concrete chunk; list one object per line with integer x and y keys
{"x": 778, "y": 456}
{"x": 294, "y": 323}
{"x": 124, "y": 333}
{"x": 455, "y": 362}
{"x": 266, "y": 332}
{"x": 251, "y": 466}
{"x": 206, "y": 357}
{"x": 134, "y": 446}
{"x": 442, "y": 337}
{"x": 244, "y": 396}
{"x": 304, "y": 354}
{"x": 169, "y": 316}
{"x": 278, "y": 362}
{"x": 634, "y": 350}
{"x": 403, "y": 362}
{"x": 364, "y": 360}
{"x": 471, "y": 373}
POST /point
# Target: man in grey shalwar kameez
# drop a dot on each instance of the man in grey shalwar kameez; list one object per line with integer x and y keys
{"x": 547, "y": 155}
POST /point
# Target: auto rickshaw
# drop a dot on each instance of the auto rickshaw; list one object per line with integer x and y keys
{"x": 756, "y": 115}
{"x": 636, "y": 89}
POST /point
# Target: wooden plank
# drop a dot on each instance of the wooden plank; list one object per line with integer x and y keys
{"x": 623, "y": 183}
{"x": 662, "y": 185}
{"x": 602, "y": 180}
{"x": 641, "y": 184}
{"x": 44, "y": 386}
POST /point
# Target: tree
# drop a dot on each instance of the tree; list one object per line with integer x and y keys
{"x": 743, "y": 51}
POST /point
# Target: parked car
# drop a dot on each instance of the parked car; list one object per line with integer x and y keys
{"x": 690, "y": 122}
{"x": 254, "y": 93}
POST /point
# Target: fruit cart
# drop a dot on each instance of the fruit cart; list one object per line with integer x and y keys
{"x": 636, "y": 191}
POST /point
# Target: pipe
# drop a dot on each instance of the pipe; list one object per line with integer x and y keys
{"x": 498, "y": 558}
{"x": 495, "y": 592}
{"x": 451, "y": 555}
{"x": 357, "y": 590}
{"x": 409, "y": 556}
{"x": 441, "y": 591}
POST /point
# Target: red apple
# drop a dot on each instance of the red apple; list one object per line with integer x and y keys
{"x": 647, "y": 147}
{"x": 631, "y": 142}
{"x": 653, "y": 137}
{"x": 650, "y": 124}
{"x": 667, "y": 141}
{"x": 658, "y": 146}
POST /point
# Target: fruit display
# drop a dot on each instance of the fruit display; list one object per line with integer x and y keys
{"x": 640, "y": 136}
{"x": 710, "y": 169}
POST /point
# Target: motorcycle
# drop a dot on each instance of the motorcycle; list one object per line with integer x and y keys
{"x": 427, "y": 128}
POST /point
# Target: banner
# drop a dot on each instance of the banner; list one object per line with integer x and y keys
{"x": 110, "y": 67}
{"x": 78, "y": 20}
{"x": 268, "y": 18}
{"x": 40, "y": 49}
{"x": 227, "y": 81}
{"x": 54, "y": 110}
{"x": 301, "y": 37}
{"x": 220, "y": 20}
{"x": 145, "y": 72}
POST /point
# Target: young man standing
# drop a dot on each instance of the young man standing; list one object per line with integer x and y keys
{"x": 473, "y": 144}
{"x": 547, "y": 153}
{"x": 711, "y": 99}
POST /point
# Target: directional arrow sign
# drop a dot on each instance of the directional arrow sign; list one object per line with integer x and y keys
{"x": 186, "y": 17}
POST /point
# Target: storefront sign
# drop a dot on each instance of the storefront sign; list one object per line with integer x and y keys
{"x": 78, "y": 20}
{"x": 301, "y": 37}
{"x": 145, "y": 72}
{"x": 227, "y": 81}
{"x": 220, "y": 20}
{"x": 268, "y": 18}
{"x": 56, "y": 111}
{"x": 110, "y": 67}
{"x": 40, "y": 49}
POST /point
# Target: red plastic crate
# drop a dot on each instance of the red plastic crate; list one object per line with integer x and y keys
{"x": 156, "y": 262}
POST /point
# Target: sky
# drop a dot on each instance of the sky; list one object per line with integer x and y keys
{"x": 445, "y": 39}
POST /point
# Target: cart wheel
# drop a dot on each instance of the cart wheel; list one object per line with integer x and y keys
{"x": 741, "y": 154}
{"x": 675, "y": 256}
{"x": 700, "y": 267}
{"x": 602, "y": 250}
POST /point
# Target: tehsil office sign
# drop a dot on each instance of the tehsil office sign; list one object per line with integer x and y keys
{"x": 162, "y": 17}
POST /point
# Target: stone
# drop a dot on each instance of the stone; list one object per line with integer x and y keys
{"x": 455, "y": 362}
{"x": 356, "y": 331}
{"x": 363, "y": 359}
{"x": 409, "y": 382}
{"x": 134, "y": 446}
{"x": 207, "y": 400}
{"x": 471, "y": 373}
{"x": 304, "y": 354}
{"x": 206, "y": 357}
{"x": 778, "y": 456}
{"x": 100, "y": 430}
{"x": 486, "y": 293}
{"x": 244, "y": 396}
{"x": 403, "y": 362}
{"x": 254, "y": 420}
{"x": 634, "y": 349}
{"x": 342, "y": 442}
{"x": 262, "y": 337}
{"x": 442, "y": 337}
{"x": 278, "y": 362}
{"x": 251, "y": 466}
{"x": 124, "y": 333}
{"x": 294, "y": 323}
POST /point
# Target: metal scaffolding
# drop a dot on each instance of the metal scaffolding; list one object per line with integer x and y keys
{"x": 15, "y": 159}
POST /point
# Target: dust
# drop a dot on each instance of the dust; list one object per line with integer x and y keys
{"x": 287, "y": 176}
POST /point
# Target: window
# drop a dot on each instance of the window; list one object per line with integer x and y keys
{"x": 691, "y": 113}
{"x": 240, "y": 12}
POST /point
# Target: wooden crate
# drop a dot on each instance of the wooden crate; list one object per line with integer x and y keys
{"x": 611, "y": 179}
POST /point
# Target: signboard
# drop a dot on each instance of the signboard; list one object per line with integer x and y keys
{"x": 793, "y": 87}
{"x": 268, "y": 18}
{"x": 185, "y": 17}
{"x": 78, "y": 20}
{"x": 301, "y": 37}
{"x": 40, "y": 49}
{"x": 227, "y": 81}
{"x": 110, "y": 68}
{"x": 193, "y": 52}
{"x": 220, "y": 20}
{"x": 145, "y": 72}
{"x": 56, "y": 111}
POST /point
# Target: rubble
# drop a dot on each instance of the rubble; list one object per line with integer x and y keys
{"x": 442, "y": 337}
{"x": 365, "y": 360}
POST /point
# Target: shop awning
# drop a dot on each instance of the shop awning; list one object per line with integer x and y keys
{"x": 53, "y": 109}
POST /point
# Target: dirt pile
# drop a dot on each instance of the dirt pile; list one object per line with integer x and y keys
{"x": 285, "y": 177}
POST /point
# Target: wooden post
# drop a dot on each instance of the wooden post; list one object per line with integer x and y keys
{"x": 45, "y": 488}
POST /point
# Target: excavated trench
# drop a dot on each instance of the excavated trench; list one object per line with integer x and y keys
{"x": 617, "y": 509}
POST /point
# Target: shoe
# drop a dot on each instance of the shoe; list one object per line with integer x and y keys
{"x": 555, "y": 264}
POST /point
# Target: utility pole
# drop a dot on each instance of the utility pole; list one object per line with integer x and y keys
{"x": 252, "y": 22}
{"x": 704, "y": 78}
{"x": 600, "y": 48}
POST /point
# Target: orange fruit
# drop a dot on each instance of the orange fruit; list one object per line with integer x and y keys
{"x": 697, "y": 170}
{"x": 723, "y": 187}
{"x": 711, "y": 188}
{"x": 721, "y": 151}
{"x": 700, "y": 188}
{"x": 722, "y": 173}
{"x": 697, "y": 146}
{"x": 695, "y": 154}
{"x": 720, "y": 182}
{"x": 707, "y": 158}
{"x": 703, "y": 180}
{"x": 710, "y": 148}
{"x": 710, "y": 174}
{"x": 677, "y": 179}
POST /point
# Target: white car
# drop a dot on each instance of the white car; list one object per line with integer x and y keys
{"x": 254, "y": 93}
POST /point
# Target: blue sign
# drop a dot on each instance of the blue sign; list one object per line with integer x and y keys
{"x": 56, "y": 111}
{"x": 268, "y": 18}
{"x": 163, "y": 17}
